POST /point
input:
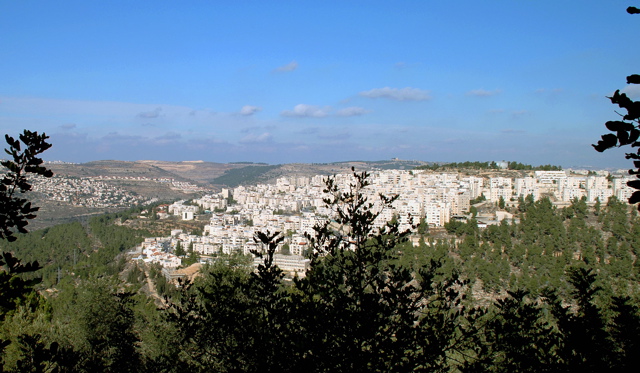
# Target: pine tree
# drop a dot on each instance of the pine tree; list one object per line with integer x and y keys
{"x": 179, "y": 251}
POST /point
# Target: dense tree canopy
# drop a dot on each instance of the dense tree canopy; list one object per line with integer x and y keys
{"x": 487, "y": 166}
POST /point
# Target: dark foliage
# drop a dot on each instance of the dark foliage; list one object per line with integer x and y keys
{"x": 626, "y": 132}
{"x": 244, "y": 175}
{"x": 356, "y": 310}
{"x": 15, "y": 210}
{"x": 487, "y": 166}
{"x": 15, "y": 213}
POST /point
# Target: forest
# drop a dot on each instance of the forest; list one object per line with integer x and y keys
{"x": 512, "y": 165}
{"x": 250, "y": 174}
{"x": 551, "y": 290}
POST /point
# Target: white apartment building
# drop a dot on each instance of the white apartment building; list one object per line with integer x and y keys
{"x": 527, "y": 186}
{"x": 550, "y": 177}
{"x": 500, "y": 187}
{"x": 461, "y": 203}
{"x": 212, "y": 203}
{"x": 179, "y": 208}
{"x": 474, "y": 184}
{"x": 620, "y": 188}
{"x": 569, "y": 194}
{"x": 597, "y": 193}
{"x": 154, "y": 254}
{"x": 293, "y": 264}
{"x": 437, "y": 213}
{"x": 597, "y": 182}
{"x": 298, "y": 244}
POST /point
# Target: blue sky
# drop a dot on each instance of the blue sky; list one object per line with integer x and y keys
{"x": 317, "y": 81}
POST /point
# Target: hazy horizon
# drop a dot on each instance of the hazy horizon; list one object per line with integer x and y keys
{"x": 249, "y": 163}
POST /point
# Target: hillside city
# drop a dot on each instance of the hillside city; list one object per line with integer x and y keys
{"x": 97, "y": 192}
{"x": 293, "y": 205}
{"x": 319, "y": 187}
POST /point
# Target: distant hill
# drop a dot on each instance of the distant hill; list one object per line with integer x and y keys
{"x": 209, "y": 175}
{"x": 218, "y": 175}
{"x": 396, "y": 164}
{"x": 199, "y": 172}
{"x": 259, "y": 173}
{"x": 111, "y": 168}
{"x": 245, "y": 175}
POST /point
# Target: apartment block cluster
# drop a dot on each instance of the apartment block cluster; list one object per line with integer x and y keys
{"x": 157, "y": 250}
{"x": 160, "y": 250}
{"x": 87, "y": 192}
{"x": 563, "y": 186}
{"x": 183, "y": 186}
{"x": 294, "y": 205}
{"x": 98, "y": 191}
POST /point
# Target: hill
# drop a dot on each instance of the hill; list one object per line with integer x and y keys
{"x": 111, "y": 168}
{"x": 170, "y": 181}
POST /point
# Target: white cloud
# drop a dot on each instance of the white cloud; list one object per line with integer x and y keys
{"x": 167, "y": 138}
{"x": 483, "y": 92}
{"x": 401, "y": 65}
{"x": 253, "y": 138}
{"x": 302, "y": 110}
{"x": 352, "y": 111}
{"x": 336, "y": 136}
{"x": 308, "y": 130}
{"x": 519, "y": 113}
{"x": 544, "y": 90}
{"x": 150, "y": 114}
{"x": 249, "y": 110}
{"x": 511, "y": 131}
{"x": 291, "y": 66}
{"x": 398, "y": 94}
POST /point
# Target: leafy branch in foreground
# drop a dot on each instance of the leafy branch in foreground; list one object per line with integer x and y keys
{"x": 15, "y": 213}
{"x": 626, "y": 132}
{"x": 15, "y": 210}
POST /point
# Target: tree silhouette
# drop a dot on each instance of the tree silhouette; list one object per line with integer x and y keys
{"x": 15, "y": 213}
{"x": 626, "y": 132}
